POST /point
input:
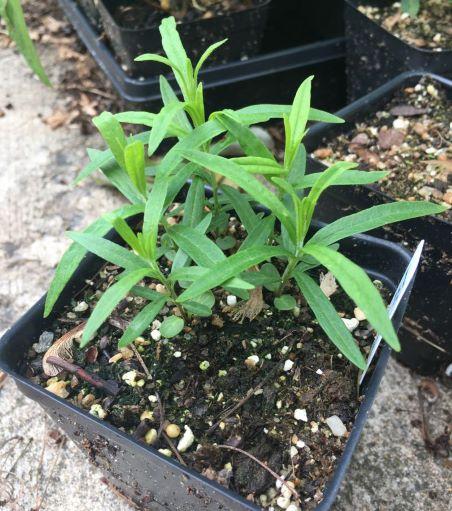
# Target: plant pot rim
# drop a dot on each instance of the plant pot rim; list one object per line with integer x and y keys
{"x": 108, "y": 430}
{"x": 135, "y": 90}
{"x": 260, "y": 5}
{"x": 349, "y": 111}
{"x": 353, "y": 4}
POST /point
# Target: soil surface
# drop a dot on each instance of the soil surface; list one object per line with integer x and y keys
{"x": 292, "y": 366}
{"x": 431, "y": 29}
{"x": 411, "y": 138}
{"x": 137, "y": 14}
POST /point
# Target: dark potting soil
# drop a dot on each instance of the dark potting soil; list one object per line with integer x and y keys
{"x": 430, "y": 29}
{"x": 197, "y": 378}
{"x": 411, "y": 138}
{"x": 138, "y": 14}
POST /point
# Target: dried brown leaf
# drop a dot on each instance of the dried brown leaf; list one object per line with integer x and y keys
{"x": 61, "y": 348}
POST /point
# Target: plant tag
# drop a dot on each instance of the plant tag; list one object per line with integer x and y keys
{"x": 404, "y": 285}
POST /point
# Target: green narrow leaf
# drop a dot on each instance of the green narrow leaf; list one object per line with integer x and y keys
{"x": 229, "y": 268}
{"x": 298, "y": 167}
{"x": 113, "y": 134}
{"x": 171, "y": 326}
{"x": 256, "y": 114}
{"x": 108, "y": 250}
{"x": 349, "y": 178}
{"x": 194, "y": 203}
{"x": 141, "y": 321}
{"x": 257, "y": 165}
{"x": 169, "y": 96}
{"x": 249, "y": 142}
{"x": 108, "y": 302}
{"x": 174, "y": 49}
{"x": 145, "y": 292}
{"x": 355, "y": 282}
{"x": 252, "y": 186}
{"x": 125, "y": 231}
{"x": 196, "y": 245}
{"x": 135, "y": 165}
{"x": 298, "y": 118}
{"x": 75, "y": 254}
{"x": 161, "y": 125}
{"x": 12, "y": 13}
{"x": 259, "y": 234}
{"x": 329, "y": 320}
{"x": 372, "y": 218}
{"x": 242, "y": 207}
{"x": 152, "y": 214}
{"x": 205, "y": 56}
{"x": 119, "y": 179}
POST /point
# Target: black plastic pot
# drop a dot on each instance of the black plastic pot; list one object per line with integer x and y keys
{"x": 244, "y": 29}
{"x": 292, "y": 22}
{"x": 91, "y": 10}
{"x": 269, "y": 78}
{"x": 374, "y": 55}
{"x": 151, "y": 480}
{"x": 426, "y": 334}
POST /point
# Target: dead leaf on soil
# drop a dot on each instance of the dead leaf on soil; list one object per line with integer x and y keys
{"x": 390, "y": 137}
{"x": 391, "y": 21}
{"x": 60, "y": 118}
{"x": 407, "y": 111}
{"x": 61, "y": 348}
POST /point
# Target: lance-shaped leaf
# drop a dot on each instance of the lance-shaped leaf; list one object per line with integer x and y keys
{"x": 169, "y": 97}
{"x": 108, "y": 250}
{"x": 242, "y": 207}
{"x": 372, "y": 218}
{"x": 141, "y": 321}
{"x": 355, "y": 282}
{"x": 75, "y": 253}
{"x": 12, "y": 13}
{"x": 111, "y": 130}
{"x": 257, "y": 165}
{"x": 259, "y": 234}
{"x": 161, "y": 125}
{"x": 229, "y": 268}
{"x": 194, "y": 203}
{"x": 252, "y": 186}
{"x": 249, "y": 142}
{"x": 349, "y": 178}
{"x": 329, "y": 320}
{"x": 182, "y": 259}
{"x": 205, "y": 56}
{"x": 126, "y": 232}
{"x": 153, "y": 213}
{"x": 135, "y": 165}
{"x": 196, "y": 245}
{"x": 108, "y": 302}
{"x": 119, "y": 179}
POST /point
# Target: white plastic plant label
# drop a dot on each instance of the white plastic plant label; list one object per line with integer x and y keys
{"x": 404, "y": 284}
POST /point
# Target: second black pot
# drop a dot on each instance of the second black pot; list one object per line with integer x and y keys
{"x": 374, "y": 55}
{"x": 426, "y": 334}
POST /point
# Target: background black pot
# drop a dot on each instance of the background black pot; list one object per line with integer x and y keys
{"x": 374, "y": 55}
{"x": 426, "y": 334}
{"x": 91, "y": 10}
{"x": 294, "y": 22}
{"x": 150, "y": 479}
{"x": 244, "y": 29}
{"x": 267, "y": 78}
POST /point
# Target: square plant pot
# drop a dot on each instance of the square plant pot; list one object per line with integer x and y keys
{"x": 266, "y": 78}
{"x": 139, "y": 472}
{"x": 374, "y": 55}
{"x": 244, "y": 30}
{"x": 426, "y": 334}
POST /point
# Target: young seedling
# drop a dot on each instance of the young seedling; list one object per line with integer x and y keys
{"x": 181, "y": 246}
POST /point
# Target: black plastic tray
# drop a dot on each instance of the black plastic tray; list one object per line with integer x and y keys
{"x": 374, "y": 55}
{"x": 267, "y": 78}
{"x": 431, "y": 302}
{"x": 244, "y": 29}
{"x": 151, "y": 480}
{"x": 294, "y": 22}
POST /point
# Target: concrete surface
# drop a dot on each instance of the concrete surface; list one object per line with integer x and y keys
{"x": 391, "y": 470}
